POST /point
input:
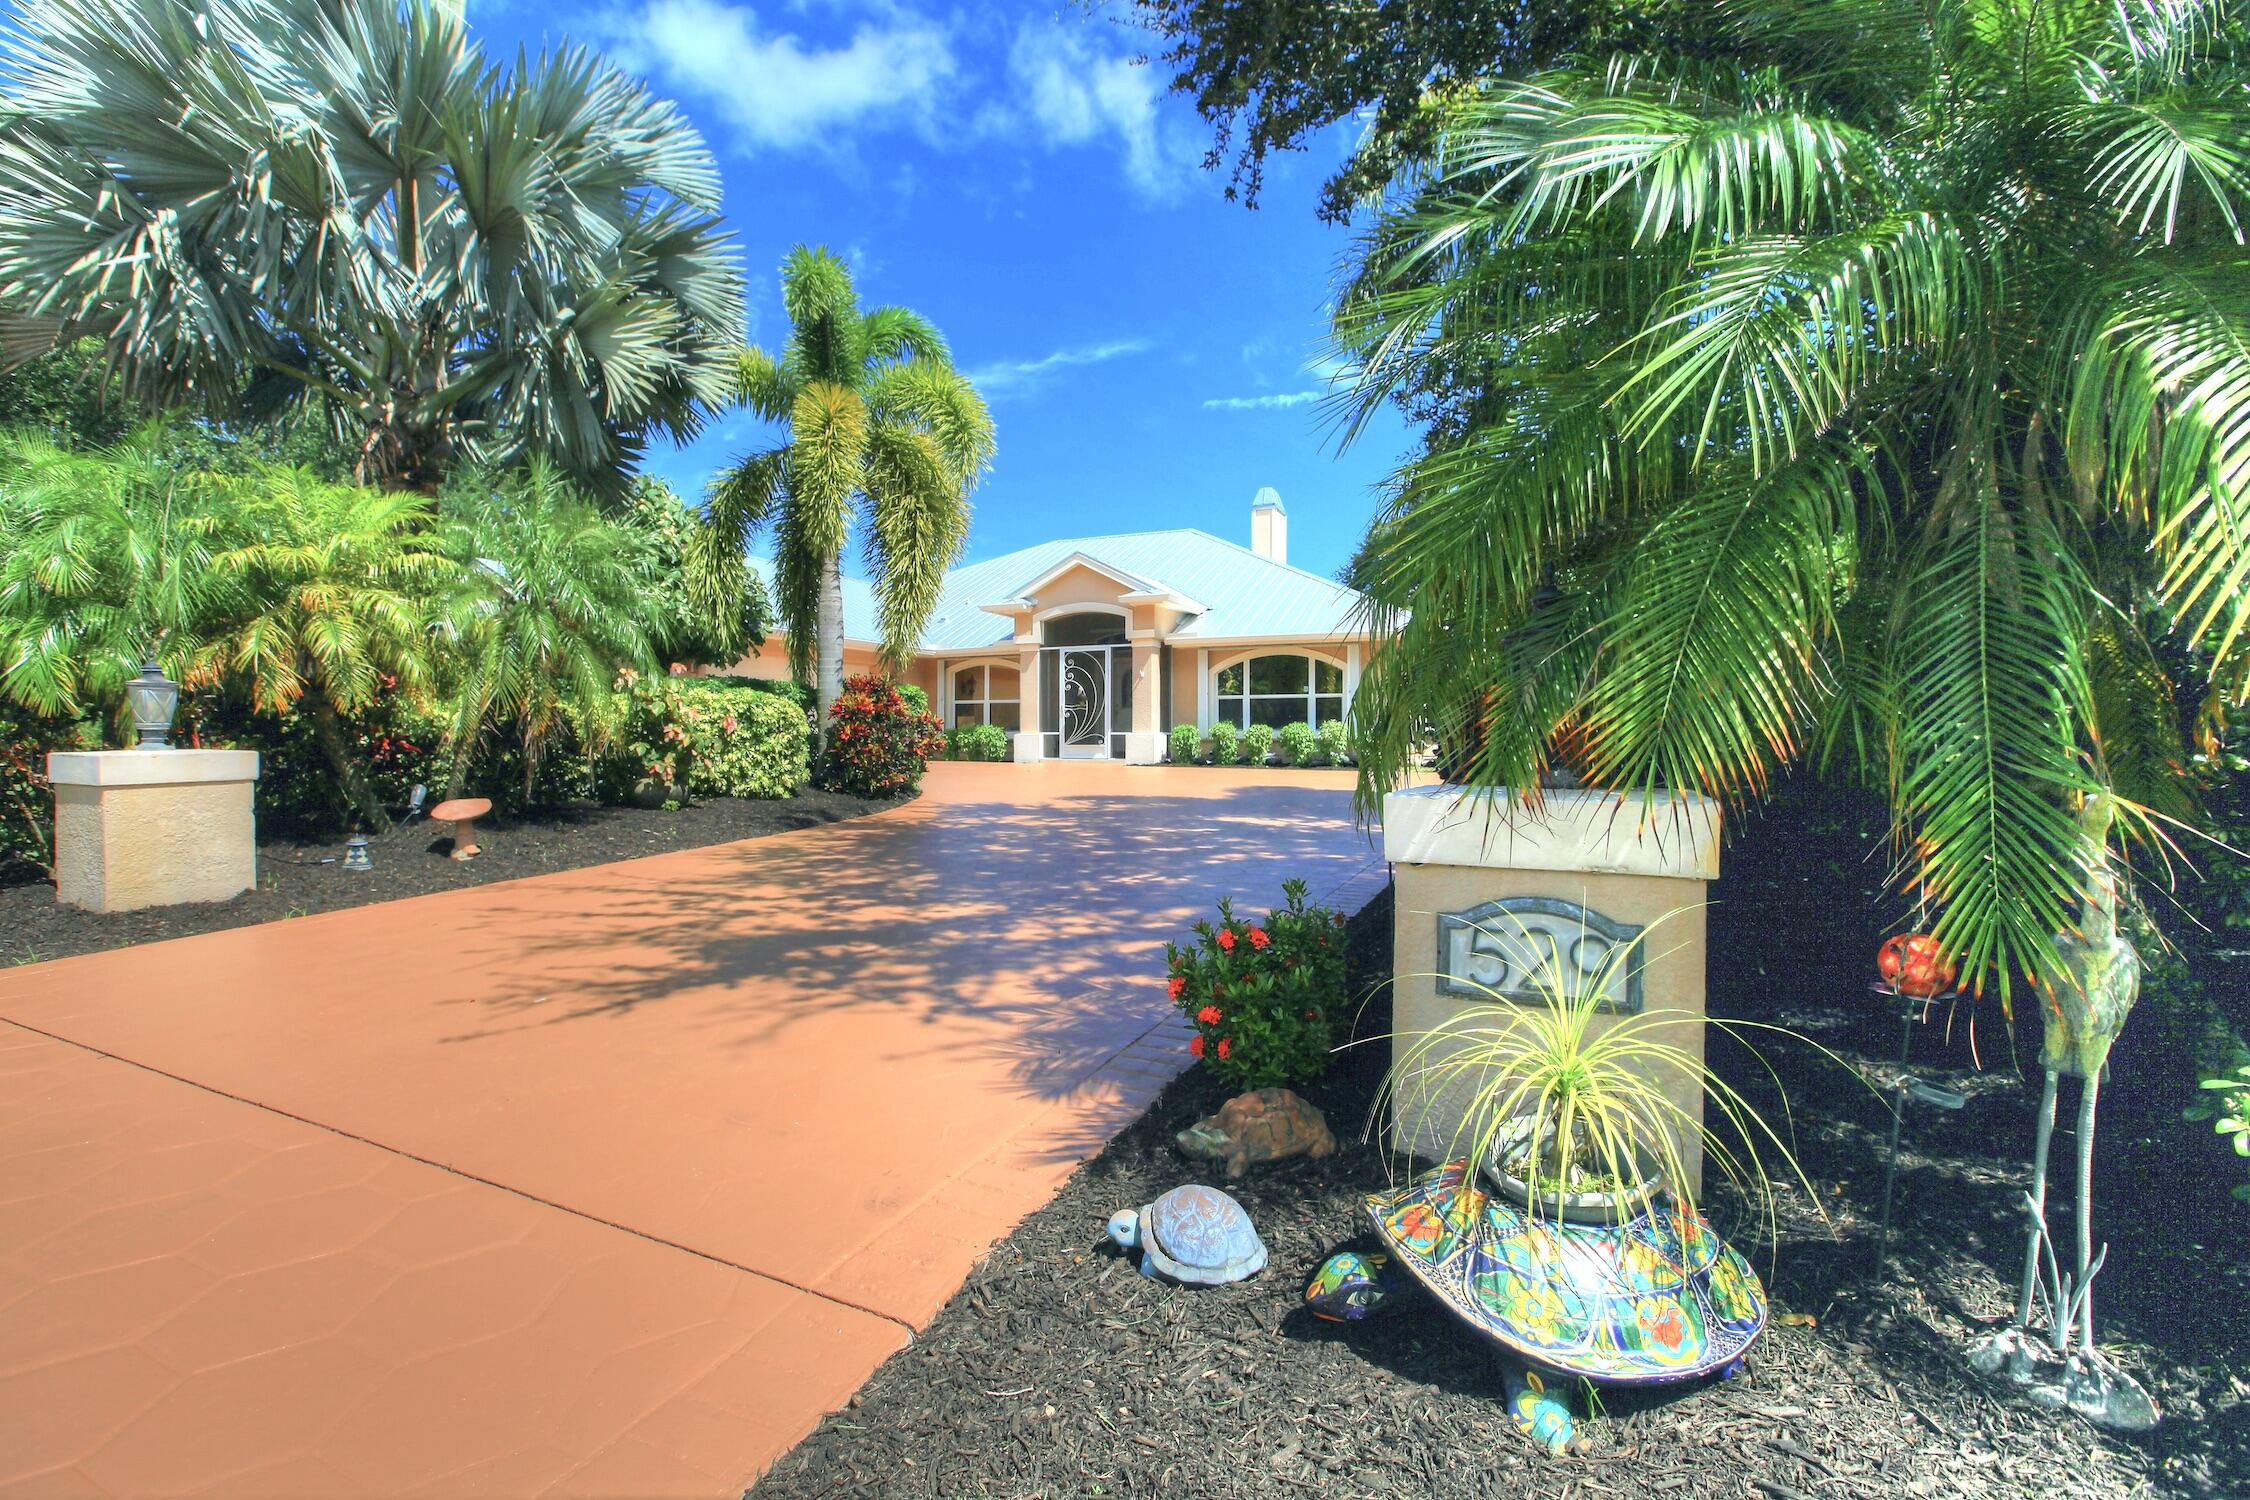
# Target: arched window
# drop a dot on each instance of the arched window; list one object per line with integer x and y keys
{"x": 1281, "y": 688}
{"x": 988, "y": 695}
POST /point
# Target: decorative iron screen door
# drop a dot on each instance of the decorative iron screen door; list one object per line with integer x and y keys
{"x": 1085, "y": 702}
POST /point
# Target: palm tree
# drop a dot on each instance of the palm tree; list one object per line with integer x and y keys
{"x": 342, "y": 199}
{"x": 879, "y": 422}
{"x": 555, "y": 604}
{"x": 1874, "y": 385}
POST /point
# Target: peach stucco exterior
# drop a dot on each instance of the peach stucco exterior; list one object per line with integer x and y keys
{"x": 140, "y": 828}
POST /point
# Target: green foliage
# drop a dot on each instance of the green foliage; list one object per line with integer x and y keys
{"x": 680, "y": 630}
{"x": 683, "y": 738}
{"x": 1295, "y": 744}
{"x": 882, "y": 430}
{"x": 27, "y": 806}
{"x": 2226, "y": 1104}
{"x": 1262, "y": 997}
{"x": 451, "y": 260}
{"x": 916, "y": 698}
{"x": 877, "y": 744}
{"x": 554, "y": 600}
{"x": 1186, "y": 739}
{"x": 1226, "y": 743}
{"x": 1257, "y": 744}
{"x": 983, "y": 742}
{"x": 1335, "y": 743}
{"x": 1844, "y": 374}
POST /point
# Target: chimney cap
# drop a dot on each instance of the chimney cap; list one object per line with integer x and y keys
{"x": 1269, "y": 498}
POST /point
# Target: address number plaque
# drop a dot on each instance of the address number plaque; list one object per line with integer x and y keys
{"x": 1532, "y": 948}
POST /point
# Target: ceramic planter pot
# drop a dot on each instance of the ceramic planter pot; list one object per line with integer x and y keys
{"x": 1570, "y": 1208}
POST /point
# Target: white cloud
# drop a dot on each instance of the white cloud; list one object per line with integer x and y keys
{"x": 1070, "y": 90}
{"x": 1261, "y": 403}
{"x": 1015, "y": 377}
{"x": 776, "y": 89}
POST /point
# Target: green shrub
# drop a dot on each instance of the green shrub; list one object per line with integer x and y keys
{"x": 916, "y": 700}
{"x": 1261, "y": 998}
{"x": 1257, "y": 744}
{"x": 1295, "y": 744}
{"x": 1335, "y": 743}
{"x": 27, "y": 806}
{"x": 680, "y": 738}
{"x": 954, "y": 746}
{"x": 1186, "y": 739}
{"x": 985, "y": 742}
{"x": 1226, "y": 744}
{"x": 877, "y": 744}
{"x": 2226, "y": 1104}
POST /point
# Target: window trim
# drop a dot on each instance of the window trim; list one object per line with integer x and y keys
{"x": 983, "y": 702}
{"x": 1314, "y": 659}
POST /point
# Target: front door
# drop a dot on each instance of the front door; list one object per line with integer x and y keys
{"x": 1085, "y": 703}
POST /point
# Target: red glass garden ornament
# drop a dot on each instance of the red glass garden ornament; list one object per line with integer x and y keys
{"x": 1913, "y": 964}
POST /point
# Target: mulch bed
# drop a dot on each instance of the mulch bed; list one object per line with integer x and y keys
{"x": 1059, "y": 1371}
{"x": 298, "y": 877}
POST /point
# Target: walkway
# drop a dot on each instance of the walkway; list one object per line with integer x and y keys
{"x": 604, "y": 1183}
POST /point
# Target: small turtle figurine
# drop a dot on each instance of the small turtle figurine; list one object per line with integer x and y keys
{"x": 1194, "y": 1234}
{"x": 1262, "y": 1126}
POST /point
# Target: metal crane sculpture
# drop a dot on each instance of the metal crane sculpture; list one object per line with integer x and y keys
{"x": 2099, "y": 978}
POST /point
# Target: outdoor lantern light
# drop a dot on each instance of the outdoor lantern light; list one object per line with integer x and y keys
{"x": 355, "y": 853}
{"x": 153, "y": 698}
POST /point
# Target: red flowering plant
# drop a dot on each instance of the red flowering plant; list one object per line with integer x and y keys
{"x": 878, "y": 743}
{"x": 1262, "y": 995}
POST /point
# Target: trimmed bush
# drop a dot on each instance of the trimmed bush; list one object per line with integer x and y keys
{"x": 914, "y": 698}
{"x": 878, "y": 746}
{"x": 1335, "y": 742}
{"x": 679, "y": 738}
{"x": 1257, "y": 744}
{"x": 1261, "y": 996}
{"x": 1186, "y": 739}
{"x": 1226, "y": 744}
{"x": 1295, "y": 744}
{"x": 985, "y": 742}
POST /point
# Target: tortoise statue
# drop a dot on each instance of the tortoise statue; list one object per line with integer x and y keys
{"x": 1655, "y": 1297}
{"x": 1194, "y": 1235}
{"x": 1250, "y": 1129}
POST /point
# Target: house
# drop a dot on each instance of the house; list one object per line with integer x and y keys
{"x": 1093, "y": 647}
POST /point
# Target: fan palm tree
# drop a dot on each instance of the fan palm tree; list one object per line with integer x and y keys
{"x": 555, "y": 605}
{"x": 880, "y": 423}
{"x": 1873, "y": 384}
{"x": 344, "y": 200}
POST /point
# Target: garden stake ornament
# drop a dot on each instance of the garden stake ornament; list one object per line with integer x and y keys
{"x": 2100, "y": 979}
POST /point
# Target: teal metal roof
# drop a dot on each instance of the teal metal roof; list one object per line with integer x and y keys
{"x": 1243, "y": 594}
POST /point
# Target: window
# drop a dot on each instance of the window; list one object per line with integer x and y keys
{"x": 1284, "y": 688}
{"x": 988, "y": 695}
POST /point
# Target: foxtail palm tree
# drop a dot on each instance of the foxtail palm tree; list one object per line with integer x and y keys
{"x": 881, "y": 425}
{"x": 344, "y": 200}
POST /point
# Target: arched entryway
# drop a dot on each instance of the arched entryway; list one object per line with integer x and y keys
{"x": 1085, "y": 683}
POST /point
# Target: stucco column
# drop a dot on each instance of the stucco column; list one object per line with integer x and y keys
{"x": 1144, "y": 742}
{"x": 137, "y": 828}
{"x": 1026, "y": 740}
{"x": 1492, "y": 895}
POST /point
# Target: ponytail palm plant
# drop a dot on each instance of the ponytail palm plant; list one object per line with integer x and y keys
{"x": 879, "y": 422}
{"x": 341, "y": 203}
{"x": 1873, "y": 381}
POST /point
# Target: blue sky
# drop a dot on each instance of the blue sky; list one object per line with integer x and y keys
{"x": 1151, "y": 352}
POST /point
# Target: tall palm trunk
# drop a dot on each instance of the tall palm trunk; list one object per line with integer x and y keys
{"x": 328, "y": 733}
{"x": 828, "y": 669}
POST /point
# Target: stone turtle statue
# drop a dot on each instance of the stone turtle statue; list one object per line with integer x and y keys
{"x": 1196, "y": 1235}
{"x": 1251, "y": 1129}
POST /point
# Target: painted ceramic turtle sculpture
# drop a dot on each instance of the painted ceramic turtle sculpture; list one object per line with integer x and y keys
{"x": 1657, "y": 1297}
{"x": 1196, "y": 1235}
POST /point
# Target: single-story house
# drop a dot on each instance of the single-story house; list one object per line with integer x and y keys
{"x": 1093, "y": 647}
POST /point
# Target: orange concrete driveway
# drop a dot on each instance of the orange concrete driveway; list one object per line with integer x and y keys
{"x": 604, "y": 1183}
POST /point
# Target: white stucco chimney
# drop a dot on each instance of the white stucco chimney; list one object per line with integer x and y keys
{"x": 1269, "y": 525}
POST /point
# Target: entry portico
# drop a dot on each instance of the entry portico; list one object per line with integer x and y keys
{"x": 1093, "y": 647}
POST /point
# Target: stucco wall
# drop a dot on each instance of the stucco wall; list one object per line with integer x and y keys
{"x": 157, "y": 843}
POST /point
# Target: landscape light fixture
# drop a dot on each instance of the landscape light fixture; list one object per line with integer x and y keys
{"x": 153, "y": 698}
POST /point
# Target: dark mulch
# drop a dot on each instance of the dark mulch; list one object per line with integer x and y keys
{"x": 1059, "y": 1371}
{"x": 298, "y": 877}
